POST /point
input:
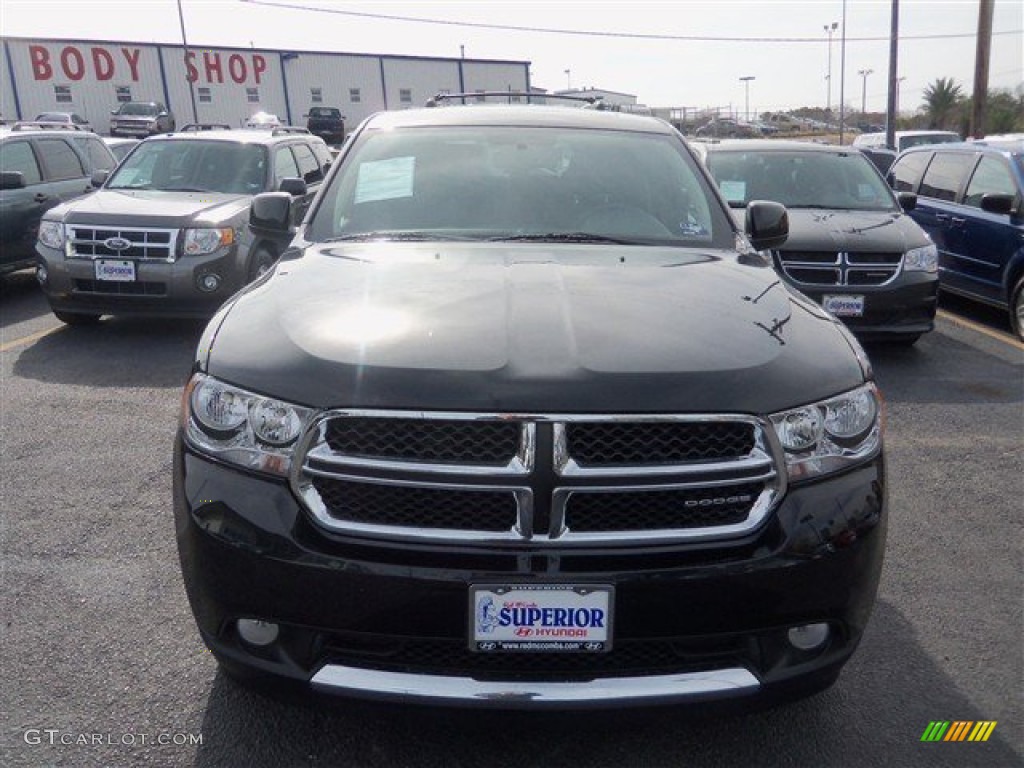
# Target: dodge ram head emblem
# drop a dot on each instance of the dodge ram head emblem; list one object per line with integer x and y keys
{"x": 117, "y": 243}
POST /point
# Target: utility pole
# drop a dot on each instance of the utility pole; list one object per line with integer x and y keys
{"x": 191, "y": 85}
{"x": 892, "y": 107}
{"x": 746, "y": 83}
{"x": 979, "y": 101}
{"x": 864, "y": 89}
{"x": 830, "y": 30}
{"x": 842, "y": 78}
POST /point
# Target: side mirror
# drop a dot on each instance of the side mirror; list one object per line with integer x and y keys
{"x": 767, "y": 224}
{"x": 12, "y": 180}
{"x": 997, "y": 203}
{"x": 293, "y": 186}
{"x": 907, "y": 200}
{"x": 271, "y": 211}
{"x": 99, "y": 178}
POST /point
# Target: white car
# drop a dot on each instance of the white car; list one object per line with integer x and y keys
{"x": 906, "y": 139}
{"x": 263, "y": 120}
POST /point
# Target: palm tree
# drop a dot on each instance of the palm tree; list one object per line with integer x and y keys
{"x": 941, "y": 100}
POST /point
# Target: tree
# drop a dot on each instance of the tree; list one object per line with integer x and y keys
{"x": 942, "y": 101}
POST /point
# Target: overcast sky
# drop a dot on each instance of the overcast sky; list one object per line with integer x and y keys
{"x": 660, "y": 72}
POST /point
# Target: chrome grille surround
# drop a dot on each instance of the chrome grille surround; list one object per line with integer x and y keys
{"x": 841, "y": 268}
{"x": 541, "y": 481}
{"x": 88, "y": 241}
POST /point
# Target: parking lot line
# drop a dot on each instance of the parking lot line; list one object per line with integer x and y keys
{"x": 28, "y": 339}
{"x": 965, "y": 323}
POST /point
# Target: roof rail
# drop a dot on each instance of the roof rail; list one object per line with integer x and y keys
{"x": 46, "y": 125}
{"x": 281, "y": 130}
{"x": 194, "y": 127}
{"x": 593, "y": 101}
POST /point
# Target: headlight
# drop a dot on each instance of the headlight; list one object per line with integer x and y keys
{"x": 924, "y": 259}
{"x": 830, "y": 435}
{"x": 240, "y": 427}
{"x": 51, "y": 234}
{"x": 199, "y": 242}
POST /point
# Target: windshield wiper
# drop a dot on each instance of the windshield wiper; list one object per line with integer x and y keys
{"x": 392, "y": 235}
{"x": 563, "y": 237}
{"x": 184, "y": 189}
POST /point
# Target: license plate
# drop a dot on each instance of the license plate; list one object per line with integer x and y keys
{"x": 843, "y": 306}
{"x": 115, "y": 270}
{"x": 550, "y": 618}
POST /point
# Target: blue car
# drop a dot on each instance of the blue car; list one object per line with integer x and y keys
{"x": 970, "y": 201}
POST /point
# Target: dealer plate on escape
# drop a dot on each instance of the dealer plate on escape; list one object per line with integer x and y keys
{"x": 548, "y": 618}
{"x": 115, "y": 270}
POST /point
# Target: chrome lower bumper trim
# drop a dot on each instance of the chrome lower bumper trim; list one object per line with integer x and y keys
{"x": 399, "y": 686}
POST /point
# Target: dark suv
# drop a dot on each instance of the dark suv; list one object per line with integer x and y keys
{"x": 970, "y": 199}
{"x": 523, "y": 419}
{"x": 850, "y": 247}
{"x": 40, "y": 169}
{"x": 167, "y": 234}
{"x": 327, "y": 123}
{"x": 141, "y": 119}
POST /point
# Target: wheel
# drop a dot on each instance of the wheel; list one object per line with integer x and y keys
{"x": 1017, "y": 309}
{"x": 261, "y": 262}
{"x": 73, "y": 318}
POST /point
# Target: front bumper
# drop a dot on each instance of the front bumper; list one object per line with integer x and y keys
{"x": 161, "y": 288}
{"x": 905, "y": 307}
{"x": 694, "y": 623}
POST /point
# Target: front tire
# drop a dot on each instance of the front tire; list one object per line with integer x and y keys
{"x": 1017, "y": 309}
{"x": 74, "y": 318}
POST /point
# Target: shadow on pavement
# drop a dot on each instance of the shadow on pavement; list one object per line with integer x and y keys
{"x": 875, "y": 715}
{"x": 117, "y": 352}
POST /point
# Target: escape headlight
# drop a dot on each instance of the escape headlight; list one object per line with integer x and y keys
{"x": 199, "y": 242}
{"x": 241, "y": 427}
{"x": 832, "y": 434}
{"x": 51, "y": 234}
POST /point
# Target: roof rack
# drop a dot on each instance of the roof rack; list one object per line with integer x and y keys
{"x": 281, "y": 130}
{"x": 194, "y": 127}
{"x": 46, "y": 125}
{"x": 593, "y": 102}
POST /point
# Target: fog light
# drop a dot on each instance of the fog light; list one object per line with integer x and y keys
{"x": 209, "y": 283}
{"x": 808, "y": 637}
{"x": 41, "y": 274}
{"x": 257, "y": 631}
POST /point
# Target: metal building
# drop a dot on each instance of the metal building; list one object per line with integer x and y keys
{"x": 227, "y": 85}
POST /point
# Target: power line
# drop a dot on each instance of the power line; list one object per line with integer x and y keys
{"x": 619, "y": 35}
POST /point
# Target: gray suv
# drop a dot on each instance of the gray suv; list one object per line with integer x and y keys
{"x": 141, "y": 118}
{"x": 40, "y": 169}
{"x": 167, "y": 234}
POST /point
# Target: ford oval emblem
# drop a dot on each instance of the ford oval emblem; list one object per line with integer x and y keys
{"x": 117, "y": 243}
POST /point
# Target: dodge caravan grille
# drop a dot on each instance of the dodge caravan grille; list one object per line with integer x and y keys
{"x": 831, "y": 268}
{"x": 537, "y": 480}
{"x": 95, "y": 242}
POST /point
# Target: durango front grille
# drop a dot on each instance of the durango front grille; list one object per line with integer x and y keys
{"x": 94, "y": 242}
{"x": 842, "y": 268}
{"x": 537, "y": 480}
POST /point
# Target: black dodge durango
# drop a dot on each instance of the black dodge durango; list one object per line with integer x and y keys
{"x": 522, "y": 419}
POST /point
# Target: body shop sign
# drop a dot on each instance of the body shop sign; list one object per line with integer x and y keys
{"x": 100, "y": 63}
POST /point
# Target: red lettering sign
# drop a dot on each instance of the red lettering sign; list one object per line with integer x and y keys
{"x": 237, "y": 68}
{"x": 213, "y": 67}
{"x": 103, "y": 63}
{"x": 40, "y": 58}
{"x": 131, "y": 55}
{"x": 259, "y": 66}
{"x": 192, "y": 74}
{"x": 73, "y": 63}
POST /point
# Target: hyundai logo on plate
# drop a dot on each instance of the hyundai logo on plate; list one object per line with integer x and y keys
{"x": 117, "y": 243}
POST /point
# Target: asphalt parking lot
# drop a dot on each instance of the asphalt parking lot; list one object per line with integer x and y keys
{"x": 102, "y": 666}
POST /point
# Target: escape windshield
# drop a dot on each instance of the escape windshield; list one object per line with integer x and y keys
{"x": 189, "y": 165}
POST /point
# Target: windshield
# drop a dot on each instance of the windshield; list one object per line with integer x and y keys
{"x": 187, "y": 165}
{"x": 906, "y": 142}
{"x": 833, "y": 180}
{"x": 138, "y": 109}
{"x": 488, "y": 182}
{"x": 324, "y": 112}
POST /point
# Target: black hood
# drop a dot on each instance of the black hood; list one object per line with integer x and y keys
{"x": 529, "y": 328}
{"x": 153, "y": 208}
{"x": 871, "y": 231}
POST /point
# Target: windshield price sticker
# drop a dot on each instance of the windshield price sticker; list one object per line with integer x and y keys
{"x": 115, "y": 270}
{"x": 552, "y": 618}
{"x": 844, "y": 306}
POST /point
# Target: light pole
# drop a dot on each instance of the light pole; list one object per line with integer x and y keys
{"x": 568, "y": 79}
{"x": 746, "y": 86}
{"x": 829, "y": 30}
{"x": 864, "y": 88}
{"x": 191, "y": 85}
